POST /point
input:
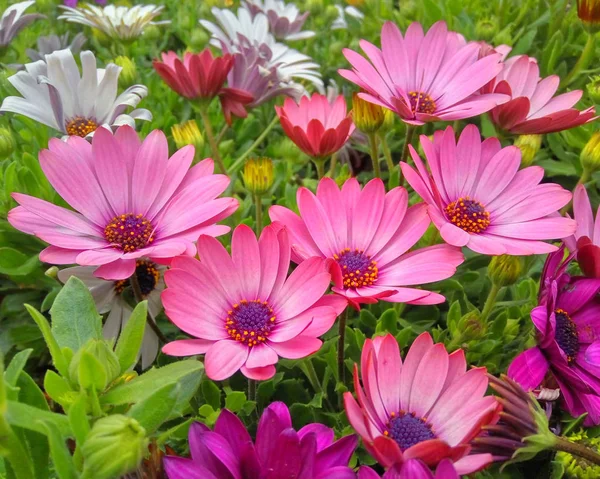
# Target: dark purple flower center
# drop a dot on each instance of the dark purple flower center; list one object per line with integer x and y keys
{"x": 468, "y": 215}
{"x": 80, "y": 126}
{"x": 147, "y": 275}
{"x": 250, "y": 322}
{"x": 565, "y": 334}
{"x": 408, "y": 430}
{"x": 358, "y": 269}
{"x": 421, "y": 102}
{"x": 129, "y": 232}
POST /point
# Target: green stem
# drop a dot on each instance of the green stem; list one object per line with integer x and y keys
{"x": 258, "y": 207}
{"x": 374, "y": 154}
{"x": 386, "y": 153}
{"x": 489, "y": 302}
{"x": 222, "y": 133}
{"x": 251, "y": 390}
{"x": 585, "y": 177}
{"x": 410, "y": 131}
{"x": 334, "y": 159}
{"x": 563, "y": 444}
{"x": 214, "y": 147}
{"x": 139, "y": 297}
{"x": 341, "y": 345}
{"x": 320, "y": 164}
{"x": 584, "y": 60}
{"x": 313, "y": 379}
{"x": 238, "y": 163}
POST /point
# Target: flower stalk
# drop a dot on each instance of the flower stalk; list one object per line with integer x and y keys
{"x": 374, "y": 155}
{"x": 214, "y": 147}
{"x": 238, "y": 162}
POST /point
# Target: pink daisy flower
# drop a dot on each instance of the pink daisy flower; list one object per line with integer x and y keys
{"x": 367, "y": 234}
{"x": 532, "y": 108}
{"x": 412, "y": 469}
{"x": 243, "y": 308}
{"x": 428, "y": 408}
{"x": 130, "y": 200}
{"x": 586, "y": 240}
{"x": 479, "y": 198}
{"x": 425, "y": 77}
{"x": 318, "y": 128}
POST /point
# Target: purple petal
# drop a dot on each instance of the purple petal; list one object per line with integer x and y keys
{"x": 529, "y": 368}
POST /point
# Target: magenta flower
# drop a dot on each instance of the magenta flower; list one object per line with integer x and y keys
{"x": 367, "y": 234}
{"x": 532, "y": 108}
{"x": 242, "y": 309}
{"x": 130, "y": 201}
{"x": 425, "y": 77}
{"x": 586, "y": 240}
{"x": 279, "y": 452}
{"x": 567, "y": 323}
{"x": 478, "y": 198}
{"x": 428, "y": 408}
{"x": 412, "y": 469}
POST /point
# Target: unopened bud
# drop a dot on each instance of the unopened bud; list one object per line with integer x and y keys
{"x": 529, "y": 146}
{"x": 128, "y": 75}
{"x": 505, "y": 270}
{"x": 331, "y": 13}
{"x": 486, "y": 29}
{"x": 590, "y": 155}
{"x": 100, "y": 350}
{"x": 258, "y": 175}
{"x": 588, "y": 12}
{"x": 593, "y": 88}
{"x": 367, "y": 116}
{"x": 188, "y": 133}
{"x": 7, "y": 143}
{"x": 198, "y": 39}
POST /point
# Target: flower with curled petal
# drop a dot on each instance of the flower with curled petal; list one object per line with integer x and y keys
{"x": 285, "y": 19}
{"x": 13, "y": 21}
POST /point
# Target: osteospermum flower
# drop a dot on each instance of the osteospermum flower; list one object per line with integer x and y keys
{"x": 285, "y": 19}
{"x": 13, "y": 21}
{"x": 243, "y": 309}
{"x": 412, "y": 469}
{"x": 53, "y": 43}
{"x": 234, "y": 32}
{"x": 56, "y": 94}
{"x": 479, "y": 198}
{"x": 340, "y": 23}
{"x": 567, "y": 323}
{"x": 278, "y": 452}
{"x": 118, "y": 22}
{"x": 130, "y": 200}
{"x": 319, "y": 128}
{"x": 366, "y": 234}
{"x": 425, "y": 77}
{"x": 532, "y": 109}
{"x": 586, "y": 240}
{"x": 108, "y": 298}
{"x": 428, "y": 408}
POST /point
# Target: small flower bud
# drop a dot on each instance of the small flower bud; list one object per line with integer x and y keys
{"x": 529, "y": 146}
{"x": 486, "y": 29}
{"x": 590, "y": 155}
{"x": 152, "y": 32}
{"x": 128, "y": 75}
{"x": 505, "y": 270}
{"x": 258, "y": 175}
{"x": 314, "y": 6}
{"x": 188, "y": 133}
{"x": 588, "y": 12}
{"x": 367, "y": 116}
{"x": 408, "y": 9}
{"x": 331, "y": 13}
{"x": 115, "y": 446}
{"x": 198, "y": 39}
{"x": 103, "y": 353}
{"x": 593, "y": 88}
{"x": 52, "y": 272}
{"x": 7, "y": 143}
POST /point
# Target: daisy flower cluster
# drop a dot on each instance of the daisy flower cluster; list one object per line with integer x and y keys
{"x": 308, "y": 254}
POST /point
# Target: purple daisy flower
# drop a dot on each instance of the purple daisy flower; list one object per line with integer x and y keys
{"x": 227, "y": 452}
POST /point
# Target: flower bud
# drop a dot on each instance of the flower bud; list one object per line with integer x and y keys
{"x": 505, "y": 270}
{"x": 188, "y": 133}
{"x": 588, "y": 12}
{"x": 575, "y": 467}
{"x": 115, "y": 446}
{"x": 590, "y": 155}
{"x": 258, "y": 175}
{"x": 529, "y": 146}
{"x": 331, "y": 13}
{"x": 7, "y": 143}
{"x": 486, "y": 29}
{"x": 198, "y": 39}
{"x": 128, "y": 75}
{"x": 593, "y": 88}
{"x": 314, "y": 6}
{"x": 367, "y": 116}
{"x": 152, "y": 32}
{"x": 103, "y": 353}
{"x": 408, "y": 9}
{"x": 52, "y": 272}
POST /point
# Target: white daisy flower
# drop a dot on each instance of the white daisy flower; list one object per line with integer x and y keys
{"x": 340, "y": 22}
{"x": 108, "y": 298}
{"x": 119, "y": 22}
{"x": 13, "y": 21}
{"x": 57, "y": 95}
{"x": 52, "y": 43}
{"x": 285, "y": 20}
{"x": 234, "y": 33}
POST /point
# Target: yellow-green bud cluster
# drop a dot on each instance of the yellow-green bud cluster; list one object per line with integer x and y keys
{"x": 505, "y": 270}
{"x": 128, "y": 75}
{"x": 590, "y": 155}
{"x": 188, "y": 133}
{"x": 7, "y": 143}
{"x": 258, "y": 175}
{"x": 367, "y": 116}
{"x": 529, "y": 146}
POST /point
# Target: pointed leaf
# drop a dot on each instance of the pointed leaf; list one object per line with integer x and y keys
{"x": 156, "y": 408}
{"x": 131, "y": 337}
{"x": 61, "y": 457}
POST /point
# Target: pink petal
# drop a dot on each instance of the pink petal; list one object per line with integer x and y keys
{"x": 187, "y": 347}
{"x": 224, "y": 358}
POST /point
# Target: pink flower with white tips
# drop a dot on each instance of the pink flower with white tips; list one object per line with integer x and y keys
{"x": 425, "y": 77}
{"x": 243, "y": 309}
{"x": 532, "y": 108}
{"x": 366, "y": 235}
{"x": 428, "y": 407}
{"x": 130, "y": 200}
{"x": 479, "y": 198}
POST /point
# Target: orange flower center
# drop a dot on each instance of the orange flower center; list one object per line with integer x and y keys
{"x": 80, "y": 126}
{"x": 129, "y": 232}
{"x": 421, "y": 102}
{"x": 358, "y": 269}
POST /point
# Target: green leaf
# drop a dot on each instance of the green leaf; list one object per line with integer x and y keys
{"x": 15, "y": 263}
{"x": 57, "y": 388}
{"x": 30, "y": 393}
{"x": 78, "y": 419}
{"x": 211, "y": 393}
{"x": 31, "y": 418}
{"x": 91, "y": 372}
{"x": 57, "y": 356}
{"x": 13, "y": 370}
{"x": 156, "y": 408}
{"x": 389, "y": 321}
{"x": 61, "y": 458}
{"x": 235, "y": 401}
{"x": 188, "y": 373}
{"x": 130, "y": 339}
{"x": 74, "y": 317}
